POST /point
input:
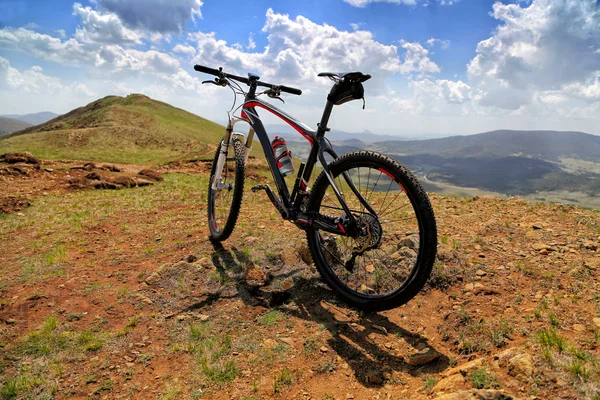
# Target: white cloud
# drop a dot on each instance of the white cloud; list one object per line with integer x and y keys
{"x": 103, "y": 27}
{"x": 61, "y": 33}
{"x": 163, "y": 16}
{"x": 185, "y": 49}
{"x": 31, "y": 25}
{"x": 82, "y": 90}
{"x": 588, "y": 91}
{"x": 46, "y": 47}
{"x": 439, "y": 96}
{"x": 298, "y": 49}
{"x": 251, "y": 43}
{"x": 454, "y": 92}
{"x": 543, "y": 46}
{"x": 135, "y": 60}
{"x": 444, "y": 44}
{"x": 73, "y": 52}
{"x": 357, "y": 26}
{"x": 416, "y": 60}
{"x": 29, "y": 81}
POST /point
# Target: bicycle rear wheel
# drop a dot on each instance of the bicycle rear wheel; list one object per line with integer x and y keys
{"x": 225, "y": 200}
{"x": 390, "y": 258}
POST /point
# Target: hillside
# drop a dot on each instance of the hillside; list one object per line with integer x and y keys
{"x": 9, "y": 125}
{"x": 132, "y": 129}
{"x": 119, "y": 294}
{"x": 33, "y": 119}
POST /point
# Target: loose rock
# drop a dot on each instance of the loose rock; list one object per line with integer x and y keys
{"x": 521, "y": 366}
{"x": 151, "y": 174}
{"x": 451, "y": 383}
{"x": 424, "y": 357}
{"x": 412, "y": 242}
{"x": 465, "y": 368}
{"x": 14, "y": 158}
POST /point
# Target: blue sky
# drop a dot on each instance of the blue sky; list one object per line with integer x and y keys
{"x": 438, "y": 66}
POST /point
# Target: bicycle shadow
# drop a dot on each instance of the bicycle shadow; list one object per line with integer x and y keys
{"x": 355, "y": 337}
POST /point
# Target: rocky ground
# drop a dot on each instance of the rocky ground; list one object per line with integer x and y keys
{"x": 119, "y": 294}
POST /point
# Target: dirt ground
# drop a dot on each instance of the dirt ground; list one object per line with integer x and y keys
{"x": 108, "y": 293}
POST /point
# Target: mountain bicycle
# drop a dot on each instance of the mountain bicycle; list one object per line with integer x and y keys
{"x": 369, "y": 224}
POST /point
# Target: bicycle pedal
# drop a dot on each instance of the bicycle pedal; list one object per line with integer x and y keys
{"x": 257, "y": 188}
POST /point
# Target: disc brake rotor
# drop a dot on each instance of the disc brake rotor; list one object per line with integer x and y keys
{"x": 369, "y": 238}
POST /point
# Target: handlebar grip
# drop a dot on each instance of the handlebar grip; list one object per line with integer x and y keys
{"x": 206, "y": 70}
{"x": 290, "y": 90}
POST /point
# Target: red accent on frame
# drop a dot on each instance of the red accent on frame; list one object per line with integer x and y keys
{"x": 341, "y": 228}
{"x": 245, "y": 116}
{"x": 290, "y": 123}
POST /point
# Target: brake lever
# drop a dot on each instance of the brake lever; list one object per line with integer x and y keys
{"x": 218, "y": 82}
{"x": 274, "y": 93}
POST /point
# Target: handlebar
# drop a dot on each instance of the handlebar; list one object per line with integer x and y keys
{"x": 216, "y": 72}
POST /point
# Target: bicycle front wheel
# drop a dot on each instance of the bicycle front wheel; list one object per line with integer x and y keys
{"x": 391, "y": 255}
{"x": 225, "y": 195}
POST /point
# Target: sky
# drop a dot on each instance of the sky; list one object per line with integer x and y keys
{"x": 438, "y": 66}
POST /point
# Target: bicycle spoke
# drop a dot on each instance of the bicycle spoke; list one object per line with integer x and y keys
{"x": 386, "y": 194}
{"x": 391, "y": 202}
{"x": 399, "y": 208}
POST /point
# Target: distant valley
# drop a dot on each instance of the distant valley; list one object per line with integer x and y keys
{"x": 539, "y": 165}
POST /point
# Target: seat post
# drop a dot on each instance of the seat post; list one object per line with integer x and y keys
{"x": 325, "y": 119}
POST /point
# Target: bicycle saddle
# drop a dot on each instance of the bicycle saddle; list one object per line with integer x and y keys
{"x": 351, "y": 76}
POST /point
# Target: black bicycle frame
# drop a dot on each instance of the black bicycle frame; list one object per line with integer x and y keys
{"x": 289, "y": 206}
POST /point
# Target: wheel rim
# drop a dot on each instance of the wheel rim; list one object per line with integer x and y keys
{"x": 222, "y": 197}
{"x": 384, "y": 257}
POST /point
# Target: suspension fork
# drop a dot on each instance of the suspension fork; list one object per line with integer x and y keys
{"x": 225, "y": 143}
{"x": 222, "y": 157}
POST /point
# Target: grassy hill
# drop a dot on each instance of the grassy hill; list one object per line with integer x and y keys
{"x": 9, "y": 125}
{"x": 132, "y": 129}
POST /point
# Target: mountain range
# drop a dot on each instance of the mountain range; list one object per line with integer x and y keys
{"x": 9, "y": 125}
{"x": 33, "y": 119}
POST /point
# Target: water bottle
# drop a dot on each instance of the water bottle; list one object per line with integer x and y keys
{"x": 283, "y": 156}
